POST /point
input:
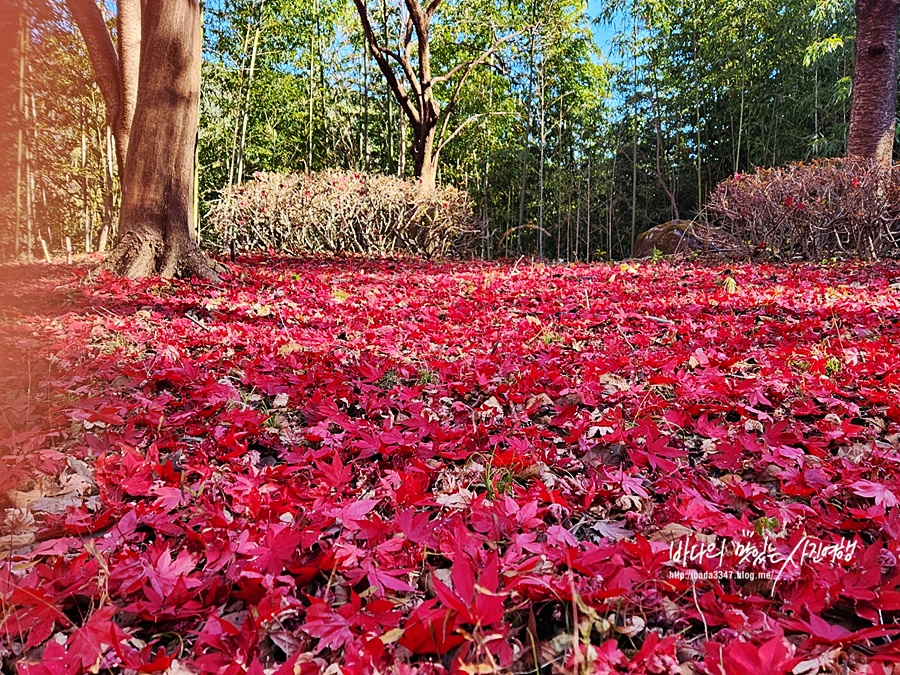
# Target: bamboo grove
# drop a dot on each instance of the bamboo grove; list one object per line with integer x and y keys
{"x": 570, "y": 144}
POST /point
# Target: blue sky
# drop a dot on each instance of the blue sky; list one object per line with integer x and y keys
{"x": 602, "y": 33}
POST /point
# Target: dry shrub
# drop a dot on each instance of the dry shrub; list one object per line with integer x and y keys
{"x": 832, "y": 207}
{"x": 341, "y": 212}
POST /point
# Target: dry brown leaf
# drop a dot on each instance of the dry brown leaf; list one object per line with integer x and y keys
{"x": 674, "y": 531}
{"x": 537, "y": 402}
{"x": 11, "y": 542}
{"x": 612, "y": 384}
{"x": 631, "y": 626}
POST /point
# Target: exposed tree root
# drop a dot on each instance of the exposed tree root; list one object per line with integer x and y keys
{"x": 143, "y": 254}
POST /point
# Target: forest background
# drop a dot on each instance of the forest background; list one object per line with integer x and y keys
{"x": 589, "y": 126}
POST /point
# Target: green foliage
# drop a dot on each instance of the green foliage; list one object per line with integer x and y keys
{"x": 765, "y": 525}
{"x": 388, "y": 381}
{"x": 560, "y": 146}
{"x": 833, "y": 366}
{"x": 317, "y": 100}
{"x": 60, "y": 169}
{"x": 713, "y": 88}
{"x": 427, "y": 376}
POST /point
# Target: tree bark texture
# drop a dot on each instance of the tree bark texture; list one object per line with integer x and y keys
{"x": 424, "y": 153}
{"x": 128, "y": 27}
{"x": 11, "y": 28}
{"x": 105, "y": 61}
{"x": 156, "y": 225}
{"x": 873, "y": 106}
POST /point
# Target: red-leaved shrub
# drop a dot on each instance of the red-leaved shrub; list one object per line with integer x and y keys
{"x": 844, "y": 207}
{"x": 343, "y": 212}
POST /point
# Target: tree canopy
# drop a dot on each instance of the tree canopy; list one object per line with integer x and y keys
{"x": 570, "y": 146}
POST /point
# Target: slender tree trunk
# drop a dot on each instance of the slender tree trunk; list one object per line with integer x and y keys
{"x": 108, "y": 190}
{"x": 243, "y": 145}
{"x": 740, "y": 131}
{"x": 844, "y": 111}
{"x": 526, "y": 140}
{"x": 569, "y": 222}
{"x": 195, "y": 187}
{"x": 587, "y": 246}
{"x": 20, "y": 131}
{"x": 156, "y": 233}
{"x": 610, "y": 205}
{"x": 389, "y": 113}
{"x": 670, "y": 194}
{"x": 402, "y": 135}
{"x": 239, "y": 111}
{"x": 401, "y": 162}
{"x": 634, "y": 143}
{"x": 88, "y": 234}
{"x": 367, "y": 142}
{"x": 12, "y": 30}
{"x": 312, "y": 97}
{"x": 508, "y": 221}
{"x": 815, "y": 147}
{"x": 128, "y": 25}
{"x": 698, "y": 159}
{"x": 29, "y": 188}
{"x": 32, "y": 223}
{"x": 873, "y": 107}
{"x": 107, "y": 69}
{"x": 560, "y": 173}
{"x": 485, "y": 215}
{"x": 523, "y": 189}
{"x": 577, "y": 255}
{"x": 543, "y": 151}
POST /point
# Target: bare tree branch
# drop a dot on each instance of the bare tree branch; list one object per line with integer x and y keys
{"x": 406, "y": 66}
{"x": 467, "y": 69}
{"x": 432, "y": 8}
{"x": 426, "y": 114}
{"x": 407, "y": 36}
{"x": 102, "y": 53}
{"x": 388, "y": 72}
{"x": 467, "y": 122}
{"x": 469, "y": 66}
{"x": 421, "y": 22}
{"x": 407, "y": 55}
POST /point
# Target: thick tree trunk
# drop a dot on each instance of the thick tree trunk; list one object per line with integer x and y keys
{"x": 873, "y": 108}
{"x": 156, "y": 228}
{"x": 425, "y": 158}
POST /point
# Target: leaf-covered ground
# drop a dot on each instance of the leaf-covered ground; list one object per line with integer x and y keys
{"x": 365, "y": 466}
